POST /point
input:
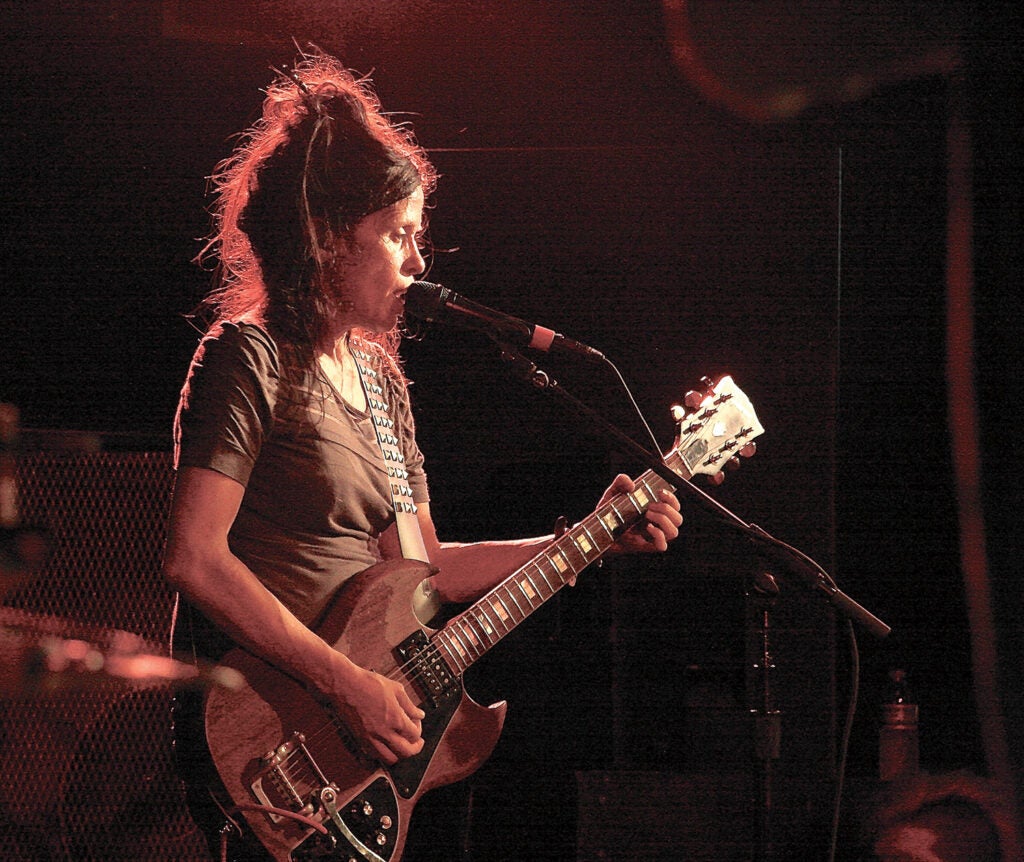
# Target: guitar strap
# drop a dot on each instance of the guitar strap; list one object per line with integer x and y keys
{"x": 409, "y": 535}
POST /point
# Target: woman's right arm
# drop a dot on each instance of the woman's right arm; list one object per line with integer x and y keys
{"x": 199, "y": 563}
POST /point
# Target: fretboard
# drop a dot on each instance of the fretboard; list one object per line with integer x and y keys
{"x": 472, "y": 633}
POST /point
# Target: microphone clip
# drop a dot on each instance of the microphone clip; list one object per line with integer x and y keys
{"x": 524, "y": 368}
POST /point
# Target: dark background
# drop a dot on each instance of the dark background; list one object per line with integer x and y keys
{"x": 588, "y": 184}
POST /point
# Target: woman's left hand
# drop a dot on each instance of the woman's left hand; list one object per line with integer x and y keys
{"x": 659, "y": 526}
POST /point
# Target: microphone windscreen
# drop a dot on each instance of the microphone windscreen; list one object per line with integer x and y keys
{"x": 424, "y": 299}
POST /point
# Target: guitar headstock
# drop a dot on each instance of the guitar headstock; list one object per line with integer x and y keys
{"x": 716, "y": 426}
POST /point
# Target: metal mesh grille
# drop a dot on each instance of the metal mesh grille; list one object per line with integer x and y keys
{"x": 87, "y": 768}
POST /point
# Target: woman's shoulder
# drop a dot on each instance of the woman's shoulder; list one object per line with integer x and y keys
{"x": 241, "y": 333}
{"x": 240, "y": 341}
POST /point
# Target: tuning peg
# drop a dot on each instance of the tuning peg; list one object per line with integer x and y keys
{"x": 678, "y": 413}
{"x": 733, "y": 463}
{"x": 748, "y": 450}
{"x": 716, "y": 478}
{"x": 692, "y": 399}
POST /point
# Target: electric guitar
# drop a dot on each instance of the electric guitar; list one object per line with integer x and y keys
{"x": 288, "y": 761}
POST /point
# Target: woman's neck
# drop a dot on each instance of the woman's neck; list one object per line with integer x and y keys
{"x": 339, "y": 366}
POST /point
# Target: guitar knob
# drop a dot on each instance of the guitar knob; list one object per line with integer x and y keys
{"x": 386, "y": 822}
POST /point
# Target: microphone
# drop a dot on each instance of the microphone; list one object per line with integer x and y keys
{"x": 434, "y": 302}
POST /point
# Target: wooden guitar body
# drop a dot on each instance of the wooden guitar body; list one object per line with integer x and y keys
{"x": 276, "y": 747}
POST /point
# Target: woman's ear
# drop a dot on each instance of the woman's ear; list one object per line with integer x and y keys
{"x": 323, "y": 241}
{"x": 322, "y": 254}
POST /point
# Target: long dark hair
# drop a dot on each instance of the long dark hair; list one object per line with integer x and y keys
{"x": 322, "y": 156}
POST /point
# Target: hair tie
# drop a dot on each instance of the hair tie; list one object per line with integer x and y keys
{"x": 310, "y": 99}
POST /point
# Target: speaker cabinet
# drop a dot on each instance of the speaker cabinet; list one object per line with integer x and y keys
{"x": 85, "y": 756}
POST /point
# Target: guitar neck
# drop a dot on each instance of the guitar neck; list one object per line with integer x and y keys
{"x": 467, "y": 637}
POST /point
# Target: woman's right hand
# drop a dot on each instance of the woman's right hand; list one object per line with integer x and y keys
{"x": 198, "y": 561}
{"x": 378, "y": 711}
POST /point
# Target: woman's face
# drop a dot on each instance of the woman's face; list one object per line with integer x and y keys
{"x": 375, "y": 267}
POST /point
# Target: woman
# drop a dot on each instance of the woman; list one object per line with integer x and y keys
{"x": 282, "y": 492}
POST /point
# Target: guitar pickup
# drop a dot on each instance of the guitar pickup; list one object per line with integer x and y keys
{"x": 423, "y": 665}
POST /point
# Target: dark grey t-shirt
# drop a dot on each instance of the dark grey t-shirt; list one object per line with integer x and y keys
{"x": 317, "y": 495}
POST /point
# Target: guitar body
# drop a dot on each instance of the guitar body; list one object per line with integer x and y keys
{"x": 277, "y": 747}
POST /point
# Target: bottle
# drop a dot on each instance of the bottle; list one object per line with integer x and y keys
{"x": 898, "y": 751}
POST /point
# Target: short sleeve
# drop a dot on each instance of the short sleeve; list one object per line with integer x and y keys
{"x": 227, "y": 403}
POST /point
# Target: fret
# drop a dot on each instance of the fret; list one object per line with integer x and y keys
{"x": 561, "y": 563}
{"x": 658, "y": 484}
{"x": 609, "y": 522}
{"x": 465, "y": 625}
{"x": 455, "y": 657}
{"x": 512, "y": 595}
{"x": 460, "y": 658}
{"x": 583, "y": 544}
{"x": 636, "y": 505}
{"x": 471, "y": 640}
{"x": 554, "y": 570}
{"x": 484, "y": 622}
{"x": 577, "y": 559}
{"x": 604, "y": 537}
{"x": 486, "y": 626}
{"x": 599, "y": 538}
{"x": 618, "y": 515}
{"x": 675, "y": 461}
{"x": 536, "y": 565}
{"x": 504, "y": 614}
{"x": 478, "y": 630}
{"x": 456, "y": 641}
{"x": 529, "y": 589}
{"x": 587, "y": 541}
{"x": 540, "y": 581}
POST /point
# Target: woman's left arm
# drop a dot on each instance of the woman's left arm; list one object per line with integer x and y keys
{"x": 467, "y": 571}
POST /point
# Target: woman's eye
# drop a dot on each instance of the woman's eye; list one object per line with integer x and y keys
{"x": 404, "y": 236}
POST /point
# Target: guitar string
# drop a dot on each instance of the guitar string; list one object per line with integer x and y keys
{"x": 594, "y": 518}
{"x": 411, "y": 681}
{"x": 433, "y": 650}
{"x": 433, "y": 653}
{"x": 488, "y": 630}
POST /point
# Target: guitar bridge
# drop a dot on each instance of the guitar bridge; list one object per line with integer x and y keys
{"x": 364, "y": 827}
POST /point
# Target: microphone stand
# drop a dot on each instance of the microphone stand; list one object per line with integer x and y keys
{"x": 761, "y": 598}
{"x": 782, "y": 558}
